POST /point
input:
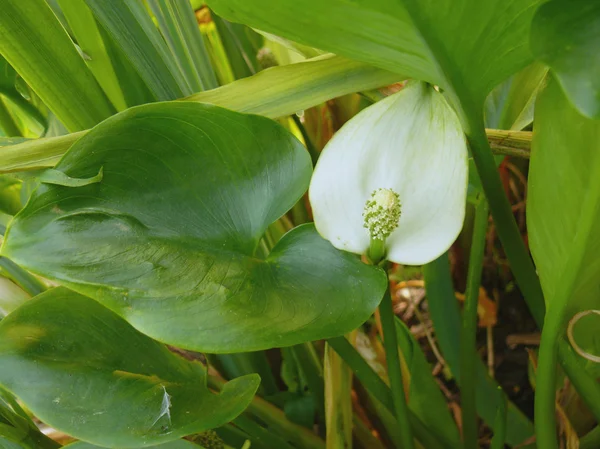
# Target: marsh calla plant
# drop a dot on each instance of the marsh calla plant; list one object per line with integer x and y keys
{"x": 394, "y": 178}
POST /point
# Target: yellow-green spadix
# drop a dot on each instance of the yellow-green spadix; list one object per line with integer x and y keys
{"x": 405, "y": 158}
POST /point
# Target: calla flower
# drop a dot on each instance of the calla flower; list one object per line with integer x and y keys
{"x": 397, "y": 173}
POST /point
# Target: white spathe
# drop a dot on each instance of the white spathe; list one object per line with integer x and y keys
{"x": 412, "y": 143}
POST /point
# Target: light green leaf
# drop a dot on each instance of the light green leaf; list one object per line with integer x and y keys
{"x": 89, "y": 38}
{"x": 178, "y": 444}
{"x": 426, "y": 400}
{"x": 511, "y": 104}
{"x": 563, "y": 204}
{"x": 274, "y": 93}
{"x": 133, "y": 31}
{"x": 59, "y": 178}
{"x": 38, "y": 47}
{"x": 10, "y": 199}
{"x": 103, "y": 381}
{"x": 465, "y": 46}
{"x": 180, "y": 28}
{"x": 168, "y": 238}
{"x": 565, "y": 34}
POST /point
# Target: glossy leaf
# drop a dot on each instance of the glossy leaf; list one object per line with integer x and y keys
{"x": 273, "y": 93}
{"x": 415, "y": 38}
{"x": 563, "y": 203}
{"x": 133, "y": 31}
{"x": 565, "y": 34}
{"x": 426, "y": 399}
{"x": 167, "y": 239}
{"x": 38, "y": 47}
{"x": 103, "y": 381}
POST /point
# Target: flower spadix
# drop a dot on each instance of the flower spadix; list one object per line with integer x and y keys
{"x": 397, "y": 173}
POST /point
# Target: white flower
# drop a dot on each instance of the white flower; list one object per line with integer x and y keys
{"x": 407, "y": 151}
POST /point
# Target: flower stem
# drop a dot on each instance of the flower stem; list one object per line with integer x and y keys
{"x": 468, "y": 348}
{"x": 377, "y": 251}
{"x": 500, "y": 425}
{"x": 390, "y": 343}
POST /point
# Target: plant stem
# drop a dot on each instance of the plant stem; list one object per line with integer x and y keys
{"x": 377, "y": 387}
{"x": 22, "y": 278}
{"x": 310, "y": 365}
{"x": 7, "y": 123}
{"x": 468, "y": 348}
{"x": 500, "y": 425}
{"x": 510, "y": 236}
{"x": 260, "y": 434}
{"x": 390, "y": 343}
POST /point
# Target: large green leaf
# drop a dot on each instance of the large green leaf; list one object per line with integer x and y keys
{"x": 103, "y": 381}
{"x": 38, "y": 47}
{"x": 565, "y": 34}
{"x": 467, "y": 46}
{"x": 168, "y": 238}
{"x": 563, "y": 207}
{"x": 274, "y": 93}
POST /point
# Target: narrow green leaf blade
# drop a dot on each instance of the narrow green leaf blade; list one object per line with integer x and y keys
{"x": 565, "y": 34}
{"x": 37, "y": 46}
{"x": 89, "y": 38}
{"x": 178, "y": 444}
{"x": 103, "y": 381}
{"x": 171, "y": 232}
{"x": 274, "y": 93}
{"x": 132, "y": 29}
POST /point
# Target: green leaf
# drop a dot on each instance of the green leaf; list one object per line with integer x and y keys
{"x": 511, "y": 104}
{"x": 10, "y": 199}
{"x": 426, "y": 399}
{"x": 416, "y": 38}
{"x": 565, "y": 34}
{"x": 103, "y": 381}
{"x": 90, "y": 40}
{"x": 167, "y": 239}
{"x": 446, "y": 318}
{"x": 8, "y": 77}
{"x": 563, "y": 204}
{"x": 59, "y": 178}
{"x": 178, "y": 444}
{"x": 38, "y": 47}
{"x": 274, "y": 93}
{"x": 180, "y": 28}
{"x": 241, "y": 44}
{"x": 133, "y": 31}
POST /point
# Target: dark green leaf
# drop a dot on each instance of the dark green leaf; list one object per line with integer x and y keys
{"x": 565, "y": 34}
{"x": 178, "y": 444}
{"x": 167, "y": 239}
{"x": 105, "y": 382}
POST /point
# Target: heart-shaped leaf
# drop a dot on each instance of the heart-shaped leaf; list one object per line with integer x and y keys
{"x": 565, "y": 34}
{"x": 105, "y": 382}
{"x": 168, "y": 237}
{"x": 468, "y": 46}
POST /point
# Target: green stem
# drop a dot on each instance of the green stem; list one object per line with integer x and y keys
{"x": 377, "y": 387}
{"x": 377, "y": 251}
{"x": 7, "y": 123}
{"x": 520, "y": 261}
{"x": 310, "y": 365}
{"x": 259, "y": 434}
{"x": 500, "y": 425}
{"x": 22, "y": 278}
{"x": 510, "y": 236}
{"x": 390, "y": 343}
{"x": 312, "y": 150}
{"x": 545, "y": 385}
{"x": 468, "y": 348}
